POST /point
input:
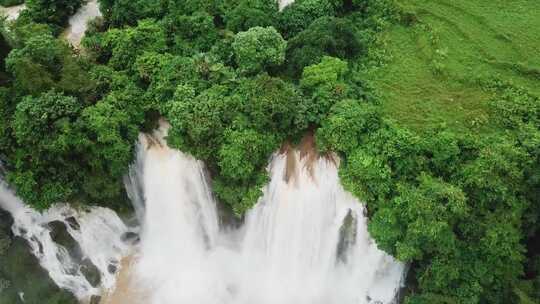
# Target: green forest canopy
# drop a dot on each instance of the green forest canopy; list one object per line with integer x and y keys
{"x": 433, "y": 107}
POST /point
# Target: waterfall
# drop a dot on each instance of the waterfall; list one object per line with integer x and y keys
{"x": 291, "y": 249}
{"x": 179, "y": 227}
{"x": 97, "y": 232}
{"x": 305, "y": 242}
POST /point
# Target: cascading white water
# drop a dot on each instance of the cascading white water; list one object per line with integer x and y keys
{"x": 180, "y": 228}
{"x": 295, "y": 248}
{"x": 96, "y": 230}
{"x": 305, "y": 242}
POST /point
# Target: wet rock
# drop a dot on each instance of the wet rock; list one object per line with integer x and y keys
{"x": 72, "y": 222}
{"x": 130, "y": 237}
{"x": 61, "y": 236}
{"x": 112, "y": 268}
{"x": 90, "y": 272}
{"x": 5, "y": 220}
{"x": 95, "y": 299}
{"x": 27, "y": 277}
{"x": 347, "y": 236}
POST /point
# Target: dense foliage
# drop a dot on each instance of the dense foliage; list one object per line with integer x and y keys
{"x": 237, "y": 78}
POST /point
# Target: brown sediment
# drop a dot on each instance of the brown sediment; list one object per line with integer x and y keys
{"x": 152, "y": 141}
{"x": 126, "y": 290}
{"x": 290, "y": 168}
{"x": 308, "y": 151}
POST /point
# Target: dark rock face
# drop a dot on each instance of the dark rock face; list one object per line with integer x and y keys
{"x": 130, "y": 237}
{"x": 95, "y": 300}
{"x": 28, "y": 279}
{"x": 112, "y": 268}
{"x": 72, "y": 222}
{"x": 347, "y": 236}
{"x": 91, "y": 272}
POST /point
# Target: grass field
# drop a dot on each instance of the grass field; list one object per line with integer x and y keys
{"x": 435, "y": 63}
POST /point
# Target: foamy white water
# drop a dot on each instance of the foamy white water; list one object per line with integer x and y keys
{"x": 306, "y": 241}
{"x": 180, "y": 228}
{"x": 97, "y": 231}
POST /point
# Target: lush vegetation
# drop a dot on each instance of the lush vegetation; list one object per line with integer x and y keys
{"x": 433, "y": 106}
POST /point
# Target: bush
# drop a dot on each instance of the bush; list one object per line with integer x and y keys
{"x": 258, "y": 49}
{"x": 297, "y": 16}
{"x": 54, "y": 12}
{"x": 327, "y": 36}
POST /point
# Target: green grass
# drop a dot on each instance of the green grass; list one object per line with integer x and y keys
{"x": 433, "y": 65}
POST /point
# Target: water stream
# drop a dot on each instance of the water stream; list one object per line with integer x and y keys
{"x": 11, "y": 13}
{"x": 78, "y": 23}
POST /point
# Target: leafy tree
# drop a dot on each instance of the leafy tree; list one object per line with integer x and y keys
{"x": 53, "y": 12}
{"x": 17, "y": 33}
{"x": 270, "y": 103}
{"x": 297, "y": 16}
{"x": 197, "y": 123}
{"x": 121, "y": 47}
{"x": 37, "y": 65}
{"x": 347, "y": 121}
{"x": 112, "y": 129}
{"x": 246, "y": 14}
{"x": 244, "y": 152}
{"x": 325, "y": 84}
{"x": 326, "y": 36}
{"x": 190, "y": 34}
{"x": 8, "y": 3}
{"x": 258, "y": 48}
{"x": 118, "y": 13}
{"x": 45, "y": 131}
{"x": 43, "y": 62}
